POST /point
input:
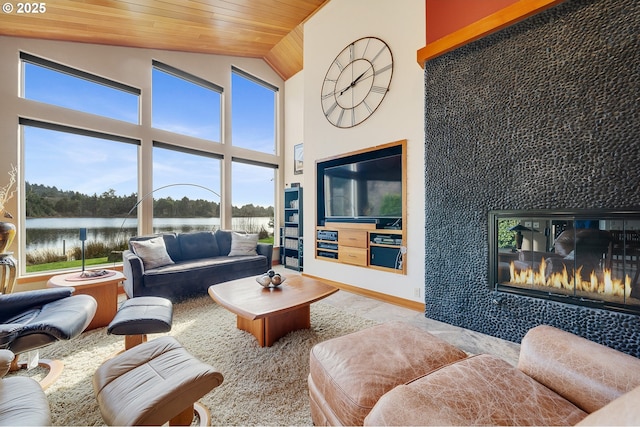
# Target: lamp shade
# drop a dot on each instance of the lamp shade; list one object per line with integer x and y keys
{"x": 519, "y": 227}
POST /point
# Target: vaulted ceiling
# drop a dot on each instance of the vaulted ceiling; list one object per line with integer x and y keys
{"x": 268, "y": 29}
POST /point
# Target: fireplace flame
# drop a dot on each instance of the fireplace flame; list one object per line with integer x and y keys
{"x": 608, "y": 285}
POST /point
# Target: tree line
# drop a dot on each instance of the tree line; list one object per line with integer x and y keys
{"x": 50, "y": 202}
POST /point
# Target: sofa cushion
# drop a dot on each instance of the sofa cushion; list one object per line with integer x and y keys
{"x": 243, "y": 244}
{"x": 206, "y": 271}
{"x": 198, "y": 244}
{"x": 479, "y": 390}
{"x": 153, "y": 252}
{"x": 173, "y": 246}
{"x": 223, "y": 237}
{"x": 349, "y": 374}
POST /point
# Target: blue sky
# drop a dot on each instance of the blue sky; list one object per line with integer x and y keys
{"x": 92, "y": 165}
{"x": 185, "y": 108}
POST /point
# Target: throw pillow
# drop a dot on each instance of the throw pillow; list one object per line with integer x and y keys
{"x": 243, "y": 244}
{"x": 153, "y": 252}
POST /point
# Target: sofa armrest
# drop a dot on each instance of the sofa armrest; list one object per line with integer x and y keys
{"x": 266, "y": 249}
{"x": 133, "y": 270}
{"x": 588, "y": 374}
{"x": 624, "y": 411}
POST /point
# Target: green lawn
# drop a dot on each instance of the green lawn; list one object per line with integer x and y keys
{"x": 60, "y": 265}
{"x": 65, "y": 264}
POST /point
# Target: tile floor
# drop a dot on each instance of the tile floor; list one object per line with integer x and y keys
{"x": 470, "y": 341}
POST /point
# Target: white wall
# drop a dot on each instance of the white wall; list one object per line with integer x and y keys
{"x": 400, "y": 116}
{"x": 294, "y": 124}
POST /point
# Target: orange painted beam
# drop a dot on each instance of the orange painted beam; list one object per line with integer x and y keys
{"x": 443, "y": 17}
{"x": 483, "y": 27}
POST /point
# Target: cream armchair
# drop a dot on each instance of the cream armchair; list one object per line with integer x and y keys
{"x": 22, "y": 400}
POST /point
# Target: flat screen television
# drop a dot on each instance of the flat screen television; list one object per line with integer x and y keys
{"x": 364, "y": 187}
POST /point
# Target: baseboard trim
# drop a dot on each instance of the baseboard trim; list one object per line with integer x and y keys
{"x": 413, "y": 305}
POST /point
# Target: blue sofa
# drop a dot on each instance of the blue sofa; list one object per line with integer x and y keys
{"x": 198, "y": 260}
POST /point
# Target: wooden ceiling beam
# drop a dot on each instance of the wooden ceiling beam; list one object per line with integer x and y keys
{"x": 269, "y": 29}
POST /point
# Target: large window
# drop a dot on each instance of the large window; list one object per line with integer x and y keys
{"x": 57, "y": 84}
{"x": 75, "y": 179}
{"x": 87, "y": 172}
{"x": 253, "y": 197}
{"x": 253, "y": 113}
{"x": 186, "y": 190}
{"x": 185, "y": 104}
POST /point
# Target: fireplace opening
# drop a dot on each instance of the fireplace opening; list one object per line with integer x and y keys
{"x": 589, "y": 258}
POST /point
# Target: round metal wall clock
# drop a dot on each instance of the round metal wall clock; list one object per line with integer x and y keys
{"x": 357, "y": 82}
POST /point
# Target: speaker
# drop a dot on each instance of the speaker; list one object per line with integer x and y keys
{"x": 384, "y": 257}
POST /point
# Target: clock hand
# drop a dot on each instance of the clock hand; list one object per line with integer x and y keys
{"x": 358, "y": 78}
{"x": 345, "y": 89}
{"x": 353, "y": 83}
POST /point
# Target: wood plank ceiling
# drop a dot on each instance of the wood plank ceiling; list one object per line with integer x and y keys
{"x": 268, "y": 29}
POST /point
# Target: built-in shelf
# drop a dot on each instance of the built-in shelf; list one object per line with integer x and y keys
{"x": 291, "y": 236}
{"x": 362, "y": 245}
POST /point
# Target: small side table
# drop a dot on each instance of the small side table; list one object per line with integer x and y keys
{"x": 103, "y": 288}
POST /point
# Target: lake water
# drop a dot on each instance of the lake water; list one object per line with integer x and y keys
{"x": 64, "y": 233}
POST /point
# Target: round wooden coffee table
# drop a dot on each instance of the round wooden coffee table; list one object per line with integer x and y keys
{"x": 103, "y": 288}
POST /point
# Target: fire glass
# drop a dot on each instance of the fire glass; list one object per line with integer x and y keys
{"x": 587, "y": 258}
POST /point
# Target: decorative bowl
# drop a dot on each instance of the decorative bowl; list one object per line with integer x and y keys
{"x": 270, "y": 282}
{"x": 277, "y": 280}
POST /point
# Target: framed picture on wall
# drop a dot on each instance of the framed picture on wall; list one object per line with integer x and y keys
{"x": 297, "y": 159}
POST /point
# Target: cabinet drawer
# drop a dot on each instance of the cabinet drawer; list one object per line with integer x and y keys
{"x": 355, "y": 256}
{"x": 353, "y": 238}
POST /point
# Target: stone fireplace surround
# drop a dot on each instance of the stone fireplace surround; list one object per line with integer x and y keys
{"x": 541, "y": 115}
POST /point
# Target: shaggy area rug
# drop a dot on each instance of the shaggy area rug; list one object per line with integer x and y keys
{"x": 262, "y": 386}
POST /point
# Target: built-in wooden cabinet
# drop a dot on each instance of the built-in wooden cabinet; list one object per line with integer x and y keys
{"x": 353, "y": 246}
{"x": 361, "y": 208}
{"x": 362, "y": 245}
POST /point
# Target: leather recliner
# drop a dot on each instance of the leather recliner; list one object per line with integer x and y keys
{"x": 22, "y": 400}
{"x": 34, "y": 319}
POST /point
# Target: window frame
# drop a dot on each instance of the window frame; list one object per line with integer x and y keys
{"x": 193, "y": 79}
{"x": 27, "y": 58}
{"x": 276, "y": 92}
{"x": 144, "y": 135}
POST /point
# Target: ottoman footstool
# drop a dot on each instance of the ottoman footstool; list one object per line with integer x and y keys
{"x": 152, "y": 383}
{"x": 349, "y": 374}
{"x": 140, "y": 316}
